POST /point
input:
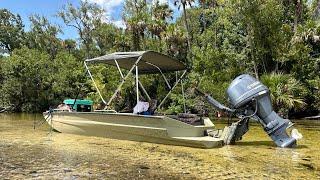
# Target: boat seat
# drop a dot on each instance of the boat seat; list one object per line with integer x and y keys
{"x": 192, "y": 119}
{"x": 152, "y": 106}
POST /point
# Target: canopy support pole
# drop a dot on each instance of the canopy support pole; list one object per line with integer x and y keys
{"x": 85, "y": 64}
{"x": 119, "y": 69}
{"x": 184, "y": 98}
{"x": 137, "y": 84}
{"x": 144, "y": 91}
{"x": 184, "y": 72}
{"x": 183, "y": 94}
{"x": 122, "y": 82}
{"x": 140, "y": 84}
{"x": 164, "y": 77}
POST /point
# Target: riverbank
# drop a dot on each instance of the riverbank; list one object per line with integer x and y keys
{"x": 27, "y": 153}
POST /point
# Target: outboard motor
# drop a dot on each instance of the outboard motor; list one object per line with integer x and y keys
{"x": 252, "y": 98}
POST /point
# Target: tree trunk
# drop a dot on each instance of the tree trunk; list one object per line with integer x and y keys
{"x": 87, "y": 50}
{"x": 255, "y": 67}
{"x": 252, "y": 51}
{"x": 297, "y": 15}
{"x": 186, "y": 25}
{"x": 316, "y": 11}
{"x": 277, "y": 67}
{"x": 160, "y": 44}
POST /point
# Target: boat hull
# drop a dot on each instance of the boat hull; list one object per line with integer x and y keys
{"x": 155, "y": 129}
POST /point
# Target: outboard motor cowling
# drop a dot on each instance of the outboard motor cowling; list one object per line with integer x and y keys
{"x": 249, "y": 96}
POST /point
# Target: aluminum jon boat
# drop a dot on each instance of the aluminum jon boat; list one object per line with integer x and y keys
{"x": 163, "y": 129}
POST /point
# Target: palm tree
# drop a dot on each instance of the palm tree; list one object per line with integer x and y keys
{"x": 122, "y": 41}
{"x": 286, "y": 92}
{"x": 137, "y": 26}
{"x": 69, "y": 45}
{"x": 160, "y": 14}
{"x": 183, "y": 4}
{"x": 208, "y": 3}
{"x": 175, "y": 39}
{"x": 162, "y": 11}
{"x": 136, "y": 17}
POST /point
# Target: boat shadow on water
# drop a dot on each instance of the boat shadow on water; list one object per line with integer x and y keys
{"x": 264, "y": 143}
{"x": 256, "y": 143}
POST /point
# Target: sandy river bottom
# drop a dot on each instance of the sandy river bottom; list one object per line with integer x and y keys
{"x": 38, "y": 154}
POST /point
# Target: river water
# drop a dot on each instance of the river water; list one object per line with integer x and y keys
{"x": 26, "y": 153}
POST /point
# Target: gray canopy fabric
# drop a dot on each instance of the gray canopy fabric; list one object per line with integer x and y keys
{"x": 148, "y": 64}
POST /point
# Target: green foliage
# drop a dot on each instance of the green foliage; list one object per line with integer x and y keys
{"x": 106, "y": 78}
{"x": 33, "y": 82}
{"x": 105, "y": 36}
{"x": 277, "y": 41}
{"x": 286, "y": 92}
{"x": 158, "y": 23}
{"x": 26, "y": 79}
{"x": 136, "y": 14}
{"x": 85, "y": 19}
{"x": 43, "y": 36}
{"x": 1, "y": 79}
{"x": 70, "y": 46}
{"x": 263, "y": 25}
{"x": 11, "y": 31}
{"x": 69, "y": 77}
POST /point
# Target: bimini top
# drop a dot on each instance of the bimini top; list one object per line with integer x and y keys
{"x": 150, "y": 62}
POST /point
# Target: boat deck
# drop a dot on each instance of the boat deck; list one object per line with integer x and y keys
{"x": 155, "y": 129}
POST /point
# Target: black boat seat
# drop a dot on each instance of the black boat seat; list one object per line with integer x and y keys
{"x": 192, "y": 119}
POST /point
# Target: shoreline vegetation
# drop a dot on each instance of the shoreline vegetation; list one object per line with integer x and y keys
{"x": 278, "y": 42}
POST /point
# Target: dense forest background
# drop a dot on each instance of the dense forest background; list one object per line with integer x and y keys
{"x": 277, "y": 41}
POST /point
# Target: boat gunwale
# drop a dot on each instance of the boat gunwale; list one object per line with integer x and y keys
{"x": 109, "y": 113}
{"x": 129, "y": 114}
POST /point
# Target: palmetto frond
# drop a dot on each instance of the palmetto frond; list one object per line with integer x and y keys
{"x": 183, "y": 3}
{"x": 285, "y": 91}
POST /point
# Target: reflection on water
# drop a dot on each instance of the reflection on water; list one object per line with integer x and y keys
{"x": 29, "y": 153}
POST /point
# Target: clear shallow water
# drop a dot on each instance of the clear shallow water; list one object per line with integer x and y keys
{"x": 28, "y": 153}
